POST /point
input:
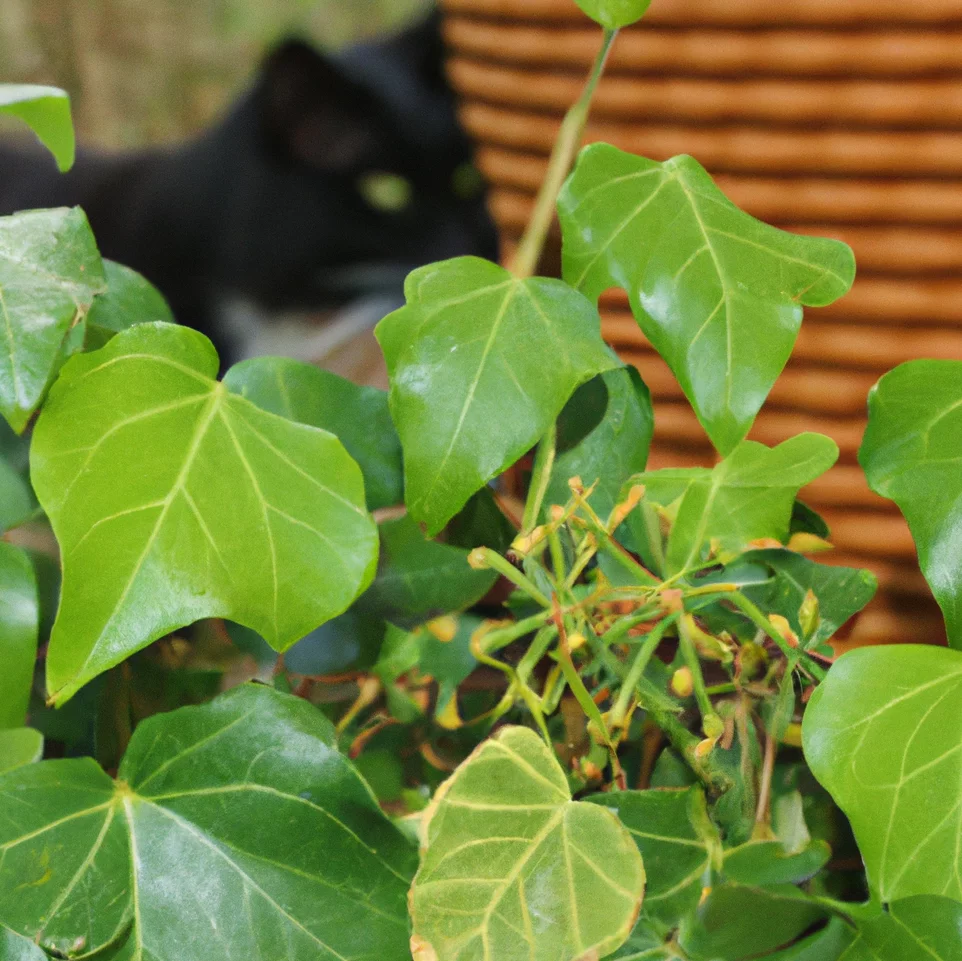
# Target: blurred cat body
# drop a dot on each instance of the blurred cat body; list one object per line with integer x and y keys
{"x": 329, "y": 180}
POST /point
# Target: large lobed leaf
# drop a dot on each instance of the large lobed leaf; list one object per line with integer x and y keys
{"x": 912, "y": 454}
{"x": 718, "y": 293}
{"x": 747, "y": 496}
{"x": 46, "y": 110}
{"x": 234, "y": 830}
{"x": 173, "y": 500}
{"x": 883, "y": 733}
{"x": 357, "y": 415}
{"x": 481, "y": 364}
{"x": 513, "y": 870}
{"x": 50, "y": 272}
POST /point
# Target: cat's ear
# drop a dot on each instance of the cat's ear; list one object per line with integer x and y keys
{"x": 314, "y": 114}
{"x": 421, "y": 44}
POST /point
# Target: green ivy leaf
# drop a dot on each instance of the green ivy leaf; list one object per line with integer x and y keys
{"x": 915, "y": 929}
{"x": 174, "y": 500}
{"x": 357, "y": 415}
{"x": 736, "y": 921}
{"x": 717, "y": 292}
{"x": 614, "y": 14}
{"x": 50, "y": 272}
{"x": 233, "y": 828}
{"x": 419, "y": 579}
{"x": 513, "y": 869}
{"x": 829, "y": 944}
{"x": 676, "y": 839}
{"x": 19, "y": 626}
{"x": 481, "y": 524}
{"x": 841, "y": 591}
{"x": 129, "y": 299}
{"x": 613, "y": 448}
{"x": 911, "y": 454}
{"x": 764, "y": 863}
{"x": 883, "y": 734}
{"x": 19, "y": 746}
{"x": 481, "y": 363}
{"x": 16, "y": 500}
{"x": 747, "y": 496}
{"x": 46, "y": 110}
{"x": 15, "y": 948}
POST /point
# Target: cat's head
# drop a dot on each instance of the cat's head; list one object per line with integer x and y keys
{"x": 366, "y": 174}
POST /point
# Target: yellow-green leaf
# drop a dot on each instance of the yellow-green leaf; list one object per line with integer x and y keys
{"x": 174, "y": 500}
{"x": 513, "y": 870}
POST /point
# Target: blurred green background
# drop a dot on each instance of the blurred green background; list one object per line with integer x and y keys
{"x": 148, "y": 71}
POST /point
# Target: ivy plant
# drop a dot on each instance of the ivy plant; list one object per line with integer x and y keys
{"x": 293, "y": 670}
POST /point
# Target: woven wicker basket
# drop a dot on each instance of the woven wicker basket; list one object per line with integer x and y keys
{"x": 837, "y": 117}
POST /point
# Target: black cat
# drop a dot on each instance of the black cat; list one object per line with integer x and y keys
{"x": 329, "y": 179}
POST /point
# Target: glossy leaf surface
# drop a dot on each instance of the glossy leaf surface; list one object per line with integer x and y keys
{"x": 419, "y": 579}
{"x": 19, "y": 746}
{"x": 677, "y": 841}
{"x": 514, "y": 870}
{"x": 357, "y": 415}
{"x": 173, "y": 500}
{"x": 16, "y": 502}
{"x": 915, "y": 929}
{"x": 763, "y": 863}
{"x": 718, "y": 293}
{"x": 614, "y": 448}
{"x": 46, "y": 110}
{"x": 129, "y": 299}
{"x": 19, "y": 624}
{"x": 481, "y": 363}
{"x": 50, "y": 271}
{"x": 841, "y": 591}
{"x": 749, "y": 495}
{"x": 171, "y": 850}
{"x": 615, "y": 13}
{"x": 15, "y": 948}
{"x": 912, "y": 454}
{"x": 883, "y": 734}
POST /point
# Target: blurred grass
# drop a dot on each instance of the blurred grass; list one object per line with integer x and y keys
{"x": 148, "y": 71}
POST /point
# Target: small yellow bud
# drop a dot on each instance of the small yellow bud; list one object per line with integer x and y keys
{"x": 808, "y": 614}
{"x": 478, "y": 559}
{"x": 443, "y": 628}
{"x": 682, "y": 683}
{"x": 576, "y": 641}
{"x": 784, "y": 629}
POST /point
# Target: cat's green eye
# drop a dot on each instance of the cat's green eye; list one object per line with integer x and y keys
{"x": 467, "y": 182}
{"x": 389, "y": 193}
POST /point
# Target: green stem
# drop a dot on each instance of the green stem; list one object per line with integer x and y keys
{"x": 638, "y": 669}
{"x": 540, "y": 478}
{"x": 562, "y": 158}
{"x": 620, "y": 630}
{"x": 686, "y": 744}
{"x": 693, "y": 664}
{"x": 505, "y": 568}
{"x": 793, "y": 655}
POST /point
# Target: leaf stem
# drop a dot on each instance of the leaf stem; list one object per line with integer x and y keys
{"x": 540, "y": 478}
{"x": 572, "y": 130}
{"x": 793, "y": 655}
{"x": 693, "y": 664}
{"x": 638, "y": 666}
